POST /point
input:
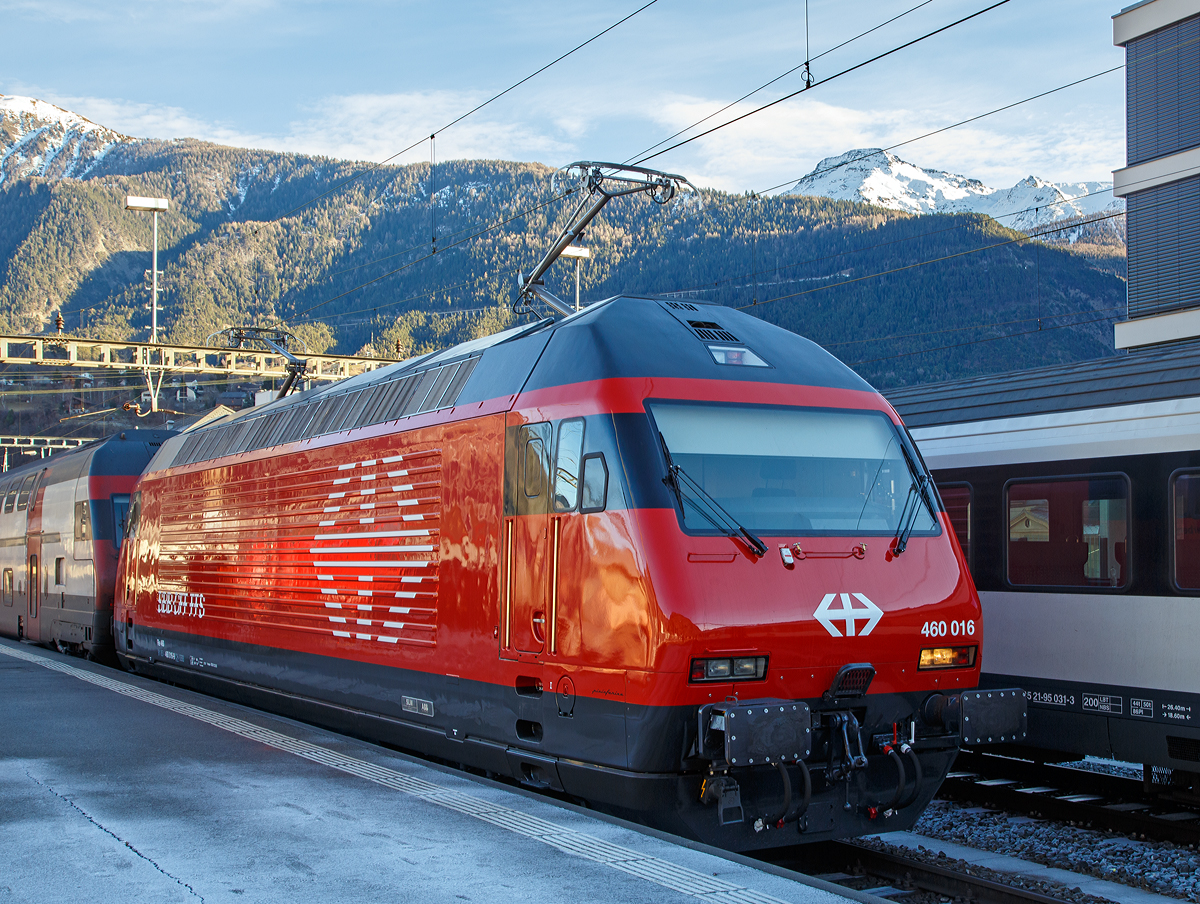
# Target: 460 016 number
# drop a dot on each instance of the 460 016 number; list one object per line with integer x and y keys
{"x": 964, "y": 628}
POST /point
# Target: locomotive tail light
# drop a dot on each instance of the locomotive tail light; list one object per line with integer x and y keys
{"x": 742, "y": 668}
{"x": 947, "y": 658}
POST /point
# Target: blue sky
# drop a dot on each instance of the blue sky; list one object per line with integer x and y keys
{"x": 360, "y": 79}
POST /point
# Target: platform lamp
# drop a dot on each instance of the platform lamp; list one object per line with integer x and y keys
{"x": 151, "y": 205}
{"x": 579, "y": 253}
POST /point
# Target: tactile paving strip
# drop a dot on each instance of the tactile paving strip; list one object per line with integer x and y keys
{"x": 652, "y": 869}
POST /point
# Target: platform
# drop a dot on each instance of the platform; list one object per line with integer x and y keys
{"x": 114, "y": 788}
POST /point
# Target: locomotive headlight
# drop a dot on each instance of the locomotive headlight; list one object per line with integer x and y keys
{"x": 743, "y": 668}
{"x": 717, "y": 668}
{"x": 947, "y": 658}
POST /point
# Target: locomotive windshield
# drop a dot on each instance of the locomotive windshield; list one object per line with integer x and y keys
{"x": 796, "y": 471}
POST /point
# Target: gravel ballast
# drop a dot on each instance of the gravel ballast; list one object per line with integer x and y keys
{"x": 1164, "y": 868}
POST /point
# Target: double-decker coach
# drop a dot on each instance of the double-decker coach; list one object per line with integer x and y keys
{"x": 62, "y": 520}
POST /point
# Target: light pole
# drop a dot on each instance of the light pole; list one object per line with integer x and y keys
{"x": 579, "y": 253}
{"x": 151, "y": 205}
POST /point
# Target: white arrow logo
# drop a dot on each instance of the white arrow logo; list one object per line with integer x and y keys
{"x": 848, "y": 613}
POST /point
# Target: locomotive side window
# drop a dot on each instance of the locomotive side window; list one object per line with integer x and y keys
{"x": 535, "y": 455}
{"x": 1185, "y": 498}
{"x": 6, "y": 586}
{"x": 131, "y": 516}
{"x": 1069, "y": 533}
{"x": 60, "y": 577}
{"x": 595, "y": 483}
{"x": 957, "y": 498}
{"x": 566, "y": 465}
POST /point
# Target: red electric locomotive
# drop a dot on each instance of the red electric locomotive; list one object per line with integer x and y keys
{"x": 657, "y": 555}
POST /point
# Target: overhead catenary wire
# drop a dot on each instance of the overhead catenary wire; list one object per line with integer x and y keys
{"x": 818, "y": 83}
{"x": 804, "y": 65}
{"x": 471, "y": 112}
{"x": 839, "y": 165}
{"x": 475, "y": 235}
{"x": 924, "y": 263}
{"x": 944, "y": 348}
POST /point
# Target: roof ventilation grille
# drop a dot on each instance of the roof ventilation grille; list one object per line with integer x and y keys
{"x": 711, "y": 332}
{"x": 682, "y": 306}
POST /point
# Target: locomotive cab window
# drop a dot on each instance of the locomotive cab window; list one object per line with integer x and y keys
{"x": 10, "y": 496}
{"x": 1185, "y": 513}
{"x": 797, "y": 471}
{"x": 567, "y": 455}
{"x": 1069, "y": 532}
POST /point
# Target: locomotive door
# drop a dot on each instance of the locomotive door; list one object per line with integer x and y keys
{"x": 529, "y": 543}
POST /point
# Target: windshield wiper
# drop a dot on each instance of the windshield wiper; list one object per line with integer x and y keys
{"x": 917, "y": 494}
{"x": 677, "y": 479}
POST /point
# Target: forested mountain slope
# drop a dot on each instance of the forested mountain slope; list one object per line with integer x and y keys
{"x": 356, "y": 268}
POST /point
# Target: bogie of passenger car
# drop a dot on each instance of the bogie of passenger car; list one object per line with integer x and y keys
{"x": 61, "y": 524}
{"x": 498, "y": 555}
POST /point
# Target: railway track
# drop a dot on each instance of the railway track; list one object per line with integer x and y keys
{"x": 893, "y": 876}
{"x": 1107, "y": 802}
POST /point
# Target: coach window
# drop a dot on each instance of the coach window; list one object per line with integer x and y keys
{"x": 23, "y": 494}
{"x": 567, "y": 454}
{"x": 957, "y": 499}
{"x": 120, "y": 509}
{"x": 1185, "y": 506}
{"x": 595, "y": 483}
{"x": 1069, "y": 532}
{"x": 6, "y": 586}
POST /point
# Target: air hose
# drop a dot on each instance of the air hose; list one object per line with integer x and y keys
{"x": 918, "y": 774}
{"x": 903, "y": 779}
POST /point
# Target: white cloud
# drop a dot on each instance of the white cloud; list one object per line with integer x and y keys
{"x": 779, "y": 145}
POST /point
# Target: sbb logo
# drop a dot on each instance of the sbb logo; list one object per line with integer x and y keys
{"x": 848, "y": 614}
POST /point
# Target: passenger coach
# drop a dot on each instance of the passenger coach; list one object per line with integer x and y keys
{"x": 1075, "y": 494}
{"x": 62, "y": 520}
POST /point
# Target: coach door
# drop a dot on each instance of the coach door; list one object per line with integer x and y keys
{"x": 28, "y": 499}
{"x": 527, "y": 541}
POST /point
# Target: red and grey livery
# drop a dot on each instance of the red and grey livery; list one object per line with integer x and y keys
{"x": 582, "y": 553}
{"x": 61, "y": 523}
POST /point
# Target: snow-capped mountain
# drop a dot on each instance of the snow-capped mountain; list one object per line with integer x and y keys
{"x": 39, "y": 139}
{"x": 879, "y": 177}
